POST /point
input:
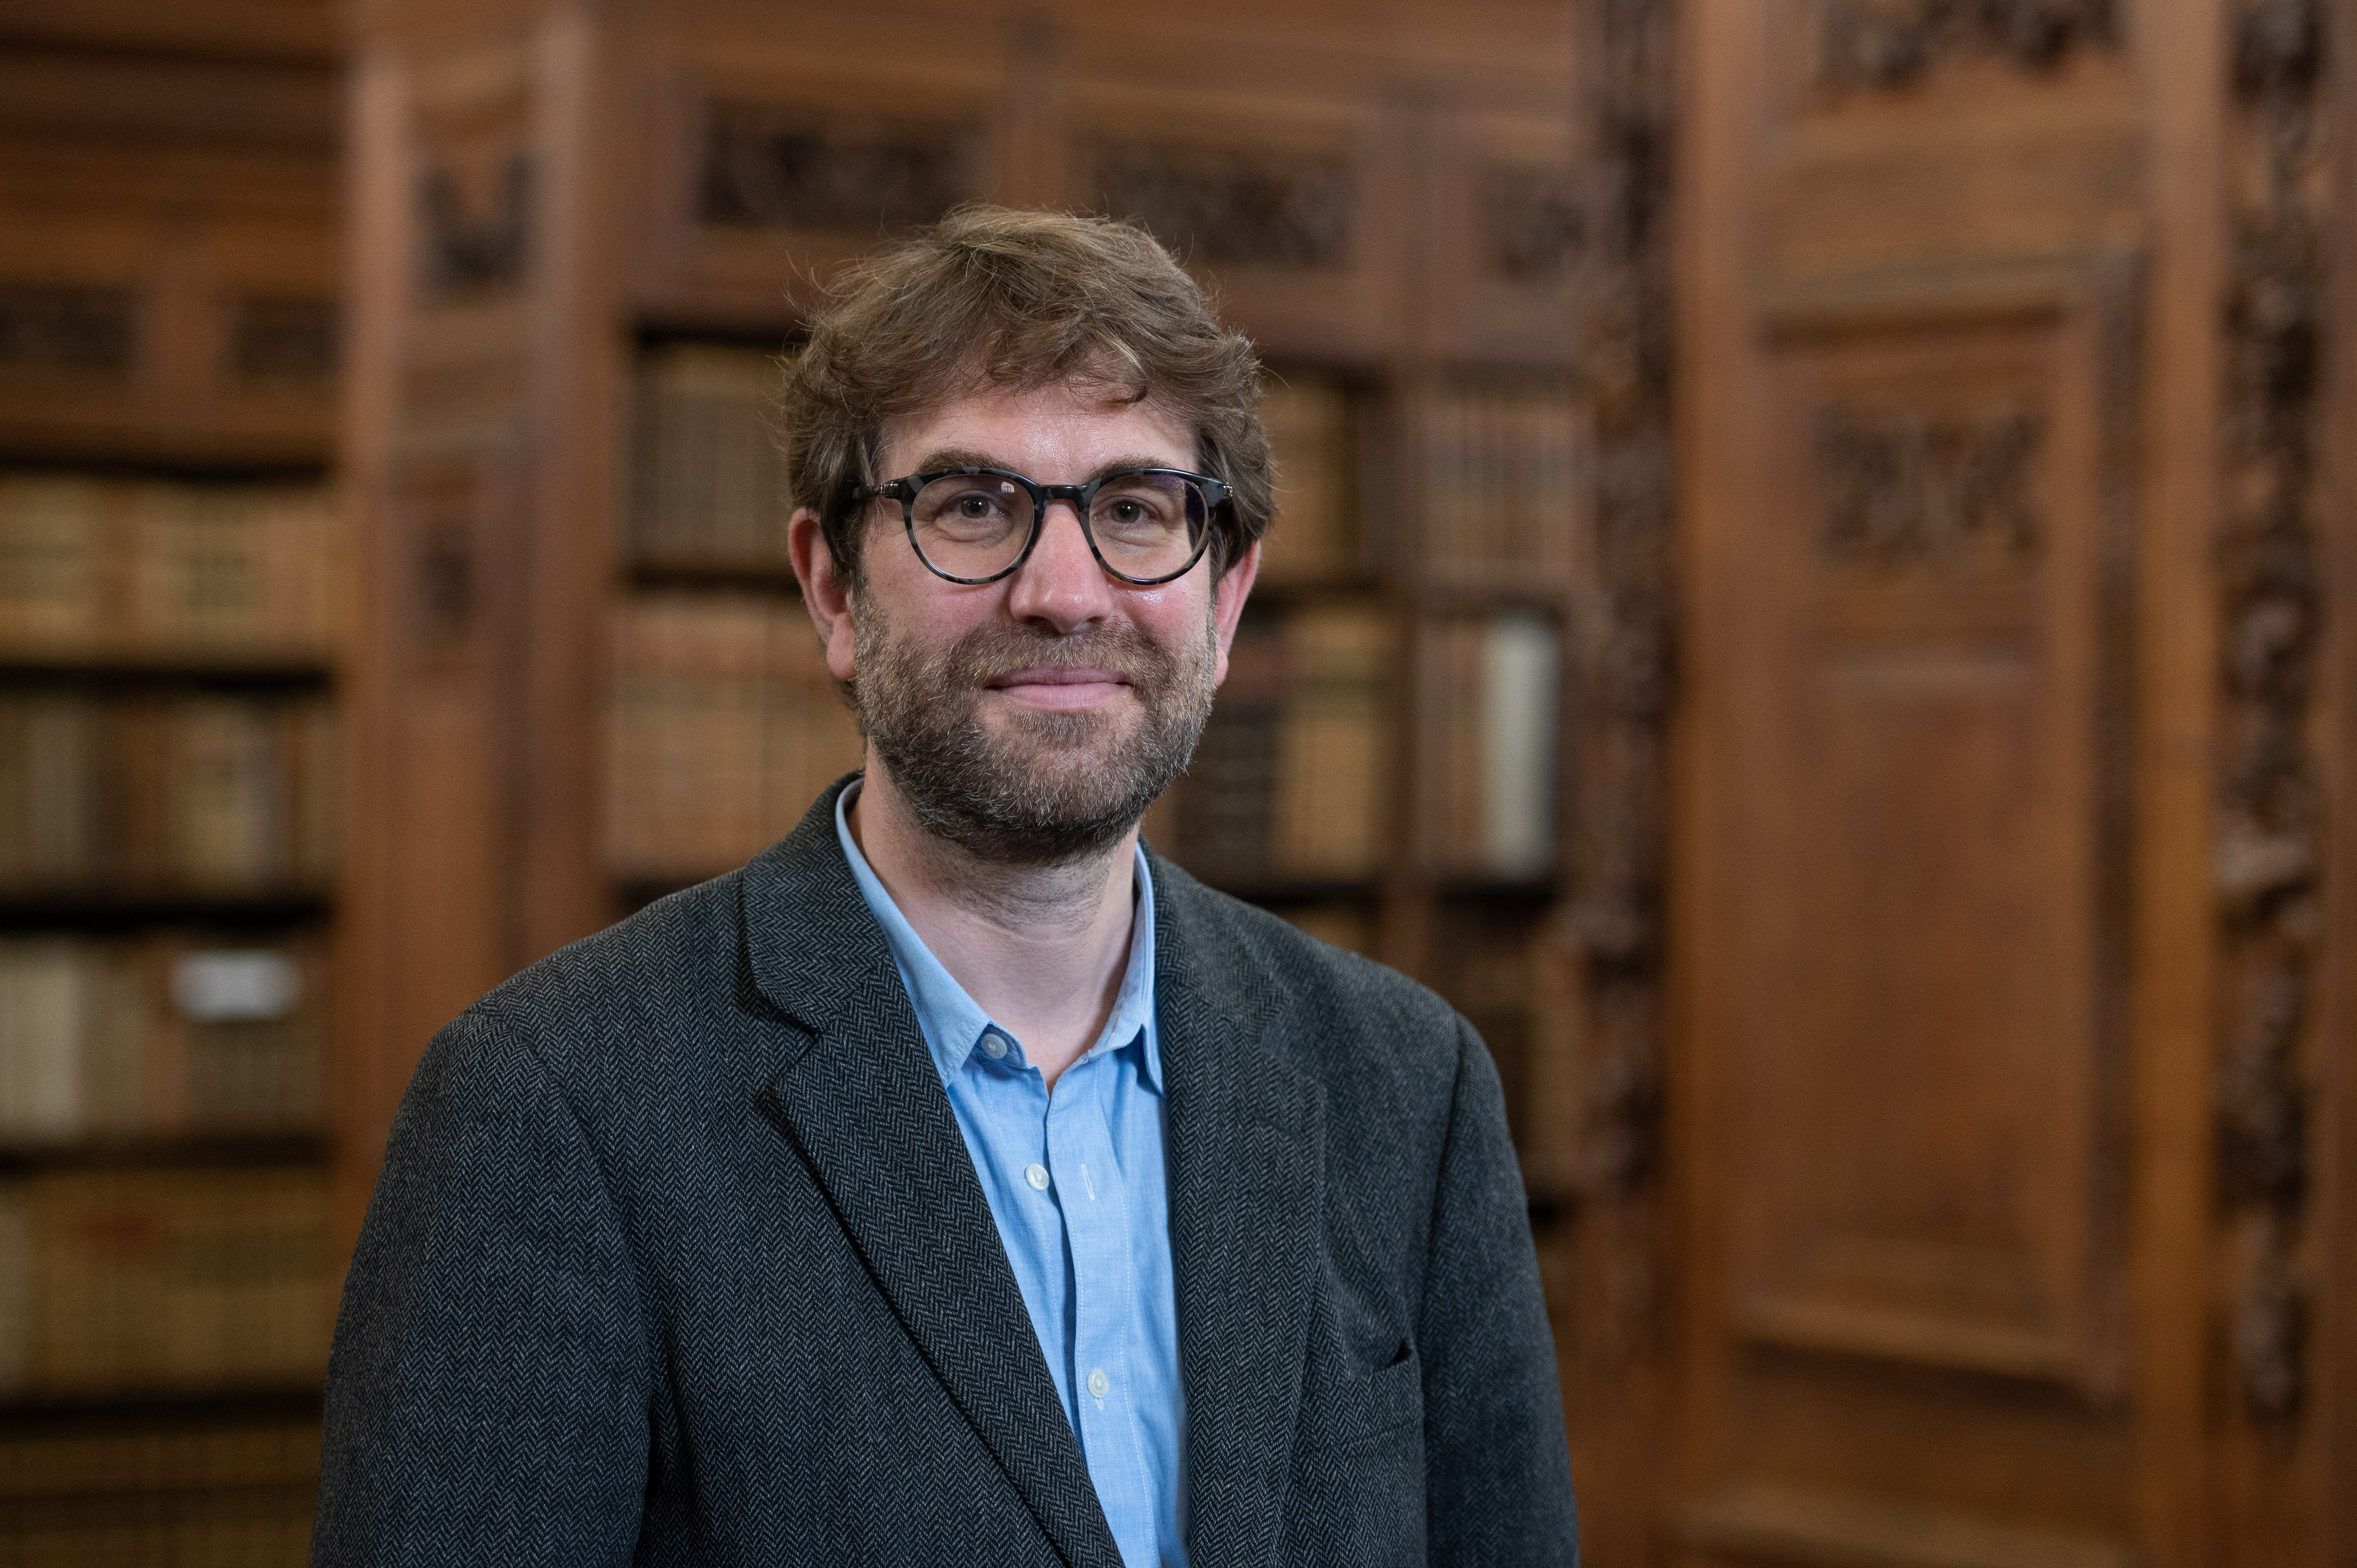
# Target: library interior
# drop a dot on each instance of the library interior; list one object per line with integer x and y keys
{"x": 1804, "y": 602}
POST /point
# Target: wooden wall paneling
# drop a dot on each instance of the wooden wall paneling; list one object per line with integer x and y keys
{"x": 1928, "y": 1133}
{"x": 145, "y": 206}
{"x": 1947, "y": 865}
{"x": 1719, "y": 451}
{"x": 1922, "y": 1080}
{"x": 2181, "y": 58}
{"x": 485, "y": 397}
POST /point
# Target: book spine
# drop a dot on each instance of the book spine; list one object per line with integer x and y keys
{"x": 1520, "y": 674}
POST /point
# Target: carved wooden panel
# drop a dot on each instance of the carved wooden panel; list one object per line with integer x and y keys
{"x": 767, "y": 168}
{"x": 475, "y": 222}
{"x": 1884, "y": 44}
{"x": 777, "y": 166}
{"x": 1290, "y": 208}
{"x": 1518, "y": 241}
{"x": 1929, "y": 1083}
{"x": 1232, "y": 207}
{"x": 2274, "y": 795}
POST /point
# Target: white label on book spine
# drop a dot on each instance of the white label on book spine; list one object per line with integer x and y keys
{"x": 236, "y": 987}
{"x": 1518, "y": 692}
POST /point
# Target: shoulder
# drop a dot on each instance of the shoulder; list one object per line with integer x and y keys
{"x": 648, "y": 966}
{"x": 1359, "y": 1028}
{"x": 653, "y": 1010}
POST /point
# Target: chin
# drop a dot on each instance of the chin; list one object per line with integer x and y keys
{"x": 1066, "y": 729}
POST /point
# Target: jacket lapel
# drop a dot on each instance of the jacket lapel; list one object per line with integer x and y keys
{"x": 1247, "y": 1165}
{"x": 864, "y": 1106}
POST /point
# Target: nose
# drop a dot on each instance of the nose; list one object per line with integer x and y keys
{"x": 1062, "y": 584}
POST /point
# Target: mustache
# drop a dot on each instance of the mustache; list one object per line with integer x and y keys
{"x": 995, "y": 649}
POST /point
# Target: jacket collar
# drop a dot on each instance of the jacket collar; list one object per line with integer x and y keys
{"x": 863, "y": 1105}
{"x": 1247, "y": 1188}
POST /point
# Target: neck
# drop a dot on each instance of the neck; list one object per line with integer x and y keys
{"x": 1041, "y": 949}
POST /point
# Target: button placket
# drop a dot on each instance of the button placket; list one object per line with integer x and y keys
{"x": 1097, "y": 1229}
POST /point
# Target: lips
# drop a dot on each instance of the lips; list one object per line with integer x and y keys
{"x": 1060, "y": 675}
{"x": 1060, "y": 687}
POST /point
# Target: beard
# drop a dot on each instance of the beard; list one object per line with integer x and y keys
{"x": 1048, "y": 787}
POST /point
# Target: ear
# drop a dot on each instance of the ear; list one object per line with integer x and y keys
{"x": 1228, "y": 597}
{"x": 826, "y": 591}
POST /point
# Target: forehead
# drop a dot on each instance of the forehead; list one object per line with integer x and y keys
{"x": 1056, "y": 434}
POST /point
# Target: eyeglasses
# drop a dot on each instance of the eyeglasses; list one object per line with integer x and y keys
{"x": 976, "y": 525}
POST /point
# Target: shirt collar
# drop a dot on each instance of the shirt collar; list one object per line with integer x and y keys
{"x": 953, "y": 1022}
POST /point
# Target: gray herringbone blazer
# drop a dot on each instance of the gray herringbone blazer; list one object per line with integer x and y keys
{"x": 678, "y": 1257}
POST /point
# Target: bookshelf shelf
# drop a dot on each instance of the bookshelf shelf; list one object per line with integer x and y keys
{"x": 221, "y": 1153}
{"x": 185, "y": 465}
{"x": 1283, "y": 890}
{"x": 93, "y": 910}
{"x": 217, "y": 669}
{"x": 61, "y": 1415}
{"x": 1473, "y": 886}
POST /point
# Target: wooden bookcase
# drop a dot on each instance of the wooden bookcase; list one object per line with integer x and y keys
{"x": 562, "y": 218}
{"x": 171, "y": 597}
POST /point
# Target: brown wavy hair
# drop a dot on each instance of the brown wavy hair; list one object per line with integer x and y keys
{"x": 994, "y": 298}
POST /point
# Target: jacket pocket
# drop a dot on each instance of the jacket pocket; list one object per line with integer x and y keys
{"x": 1366, "y": 1408}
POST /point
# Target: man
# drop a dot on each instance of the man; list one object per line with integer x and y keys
{"x": 959, "y": 1182}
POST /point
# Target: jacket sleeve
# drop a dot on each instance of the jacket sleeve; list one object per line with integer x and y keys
{"x": 1497, "y": 1469}
{"x": 488, "y": 1392}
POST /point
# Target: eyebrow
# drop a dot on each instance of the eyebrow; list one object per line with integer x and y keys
{"x": 965, "y": 458}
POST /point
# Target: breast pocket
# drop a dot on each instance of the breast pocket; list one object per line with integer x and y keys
{"x": 1380, "y": 1403}
{"x": 1358, "y": 1473}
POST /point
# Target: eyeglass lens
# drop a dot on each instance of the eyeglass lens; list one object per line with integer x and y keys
{"x": 1145, "y": 525}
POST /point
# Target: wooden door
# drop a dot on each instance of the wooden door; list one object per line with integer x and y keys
{"x": 1989, "y": 1030}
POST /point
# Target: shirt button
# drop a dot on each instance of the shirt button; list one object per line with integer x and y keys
{"x": 1037, "y": 1176}
{"x": 993, "y": 1044}
{"x": 1099, "y": 1382}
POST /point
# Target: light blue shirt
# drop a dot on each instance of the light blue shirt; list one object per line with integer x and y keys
{"x": 1077, "y": 1184}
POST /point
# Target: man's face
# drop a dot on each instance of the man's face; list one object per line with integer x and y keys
{"x": 1033, "y": 719}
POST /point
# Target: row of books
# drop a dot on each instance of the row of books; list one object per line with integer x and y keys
{"x": 98, "y": 568}
{"x": 722, "y": 725}
{"x": 1499, "y": 471}
{"x": 232, "y": 1488}
{"x": 1295, "y": 774}
{"x": 707, "y": 481}
{"x": 158, "y": 1281}
{"x": 203, "y": 793}
{"x": 190, "y": 1523}
{"x": 1313, "y": 439}
{"x": 158, "y": 1036}
{"x": 1503, "y": 474}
